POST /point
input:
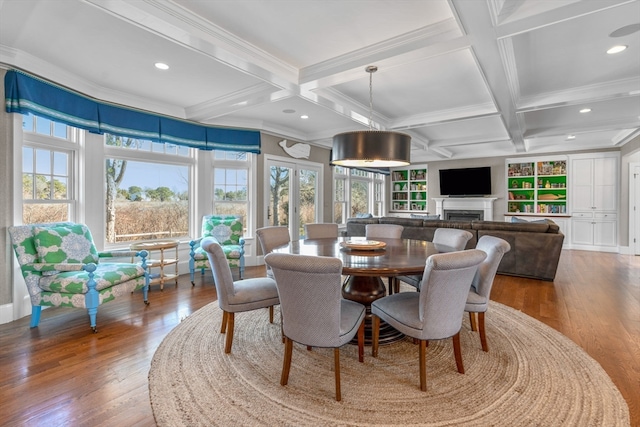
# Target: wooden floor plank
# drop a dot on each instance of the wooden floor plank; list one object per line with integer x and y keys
{"x": 62, "y": 374}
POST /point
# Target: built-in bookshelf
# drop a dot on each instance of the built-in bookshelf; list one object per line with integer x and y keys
{"x": 409, "y": 189}
{"x": 537, "y": 187}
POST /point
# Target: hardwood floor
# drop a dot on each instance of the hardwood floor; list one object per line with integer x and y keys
{"x": 62, "y": 374}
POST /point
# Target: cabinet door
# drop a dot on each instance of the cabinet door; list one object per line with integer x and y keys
{"x": 581, "y": 184}
{"x": 604, "y": 184}
{"x": 582, "y": 232}
{"x": 605, "y": 233}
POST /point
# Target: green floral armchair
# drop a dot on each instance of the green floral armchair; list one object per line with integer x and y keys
{"x": 228, "y": 231}
{"x": 61, "y": 268}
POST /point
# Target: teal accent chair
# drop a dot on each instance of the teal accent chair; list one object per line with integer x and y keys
{"x": 228, "y": 231}
{"x": 61, "y": 268}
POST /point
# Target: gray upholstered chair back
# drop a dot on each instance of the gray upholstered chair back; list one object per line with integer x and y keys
{"x": 309, "y": 288}
{"x": 495, "y": 248}
{"x": 444, "y": 290}
{"x": 321, "y": 231}
{"x": 272, "y": 237}
{"x": 383, "y": 231}
{"x": 222, "y": 276}
{"x": 452, "y": 238}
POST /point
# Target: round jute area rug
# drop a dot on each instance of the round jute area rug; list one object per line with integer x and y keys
{"x": 531, "y": 376}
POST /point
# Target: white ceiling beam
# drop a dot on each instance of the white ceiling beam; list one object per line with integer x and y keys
{"x": 476, "y": 21}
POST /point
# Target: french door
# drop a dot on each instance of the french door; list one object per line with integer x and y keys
{"x": 293, "y": 193}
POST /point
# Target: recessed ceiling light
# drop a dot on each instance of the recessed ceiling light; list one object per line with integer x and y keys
{"x": 616, "y": 49}
{"x": 288, "y": 111}
{"x": 571, "y": 137}
{"x": 161, "y": 66}
{"x": 585, "y": 110}
{"x": 304, "y": 116}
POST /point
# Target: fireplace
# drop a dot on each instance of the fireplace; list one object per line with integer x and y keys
{"x": 463, "y": 215}
{"x": 465, "y": 206}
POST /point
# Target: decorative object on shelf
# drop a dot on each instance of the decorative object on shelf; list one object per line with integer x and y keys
{"x": 371, "y": 148}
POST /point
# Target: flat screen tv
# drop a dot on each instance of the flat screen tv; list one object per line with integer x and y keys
{"x": 465, "y": 182}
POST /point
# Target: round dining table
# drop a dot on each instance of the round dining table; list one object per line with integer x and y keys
{"x": 365, "y": 262}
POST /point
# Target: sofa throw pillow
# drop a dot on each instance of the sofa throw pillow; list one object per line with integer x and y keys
{"x": 535, "y": 221}
{"x": 364, "y": 215}
{"x": 426, "y": 217}
{"x": 65, "y": 244}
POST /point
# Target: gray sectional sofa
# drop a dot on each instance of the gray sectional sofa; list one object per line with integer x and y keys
{"x": 535, "y": 247}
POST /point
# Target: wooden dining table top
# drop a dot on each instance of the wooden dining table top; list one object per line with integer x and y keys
{"x": 398, "y": 257}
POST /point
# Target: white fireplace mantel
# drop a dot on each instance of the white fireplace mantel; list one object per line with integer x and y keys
{"x": 484, "y": 204}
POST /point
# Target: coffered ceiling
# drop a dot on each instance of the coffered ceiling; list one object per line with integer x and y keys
{"x": 465, "y": 78}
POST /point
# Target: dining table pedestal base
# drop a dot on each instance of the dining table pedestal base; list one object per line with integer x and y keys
{"x": 365, "y": 290}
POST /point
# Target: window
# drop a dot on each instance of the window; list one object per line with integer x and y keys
{"x": 46, "y": 180}
{"x": 231, "y": 172}
{"x": 43, "y": 126}
{"x": 339, "y": 199}
{"x": 147, "y": 190}
{"x": 48, "y": 153}
{"x": 357, "y": 191}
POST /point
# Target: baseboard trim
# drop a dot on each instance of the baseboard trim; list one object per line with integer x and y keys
{"x": 6, "y": 313}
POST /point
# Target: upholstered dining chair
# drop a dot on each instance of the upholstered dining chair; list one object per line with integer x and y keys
{"x": 321, "y": 231}
{"x": 448, "y": 240}
{"x": 313, "y": 310}
{"x": 385, "y": 231}
{"x": 239, "y": 296}
{"x": 478, "y": 298}
{"x": 436, "y": 311}
{"x": 270, "y": 238}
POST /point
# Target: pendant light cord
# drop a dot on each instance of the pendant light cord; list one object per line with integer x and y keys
{"x": 371, "y": 69}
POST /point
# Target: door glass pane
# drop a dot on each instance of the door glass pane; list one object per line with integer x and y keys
{"x": 359, "y": 197}
{"x": 279, "y": 186}
{"x": 308, "y": 189}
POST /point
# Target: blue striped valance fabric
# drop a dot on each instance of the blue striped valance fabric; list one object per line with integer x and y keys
{"x": 25, "y": 93}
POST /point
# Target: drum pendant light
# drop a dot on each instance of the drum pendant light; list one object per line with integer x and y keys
{"x": 371, "y": 148}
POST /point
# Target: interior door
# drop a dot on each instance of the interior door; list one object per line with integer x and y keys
{"x": 294, "y": 195}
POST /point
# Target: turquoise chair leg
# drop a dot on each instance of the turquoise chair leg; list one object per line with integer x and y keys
{"x": 36, "y": 310}
{"x": 92, "y": 297}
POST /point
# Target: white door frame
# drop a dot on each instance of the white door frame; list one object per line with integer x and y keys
{"x": 634, "y": 208}
{"x": 296, "y": 165}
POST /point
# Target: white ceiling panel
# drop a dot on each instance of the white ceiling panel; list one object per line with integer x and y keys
{"x": 466, "y": 78}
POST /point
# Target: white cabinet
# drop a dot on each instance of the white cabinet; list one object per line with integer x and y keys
{"x": 594, "y": 184}
{"x": 599, "y": 231}
{"x": 594, "y": 201}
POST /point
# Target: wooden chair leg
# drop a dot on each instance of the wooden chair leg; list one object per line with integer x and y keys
{"x": 309, "y": 348}
{"x": 423, "y": 365}
{"x": 457, "y": 351}
{"x": 336, "y": 362}
{"x": 472, "y": 321}
{"x": 483, "y": 332}
{"x": 223, "y": 329}
{"x": 229, "y": 340}
{"x": 271, "y": 314}
{"x": 361, "y": 342}
{"x": 375, "y": 335}
{"x": 286, "y": 364}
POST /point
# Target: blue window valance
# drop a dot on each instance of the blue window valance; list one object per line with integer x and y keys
{"x": 25, "y": 93}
